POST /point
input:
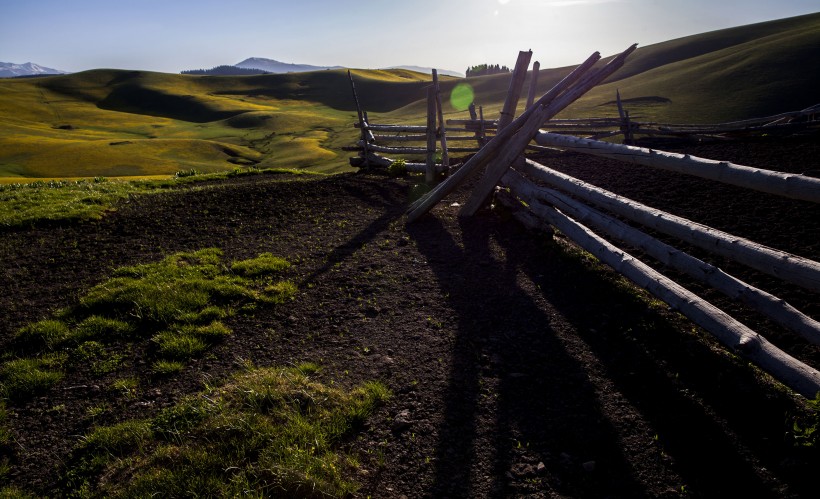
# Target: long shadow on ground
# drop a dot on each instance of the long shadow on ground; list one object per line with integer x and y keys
{"x": 721, "y": 425}
{"x": 520, "y": 410}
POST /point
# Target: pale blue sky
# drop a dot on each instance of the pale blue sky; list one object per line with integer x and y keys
{"x": 169, "y": 35}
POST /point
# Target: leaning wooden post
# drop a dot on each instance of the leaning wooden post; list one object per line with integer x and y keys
{"x": 362, "y": 121}
{"x": 623, "y": 116}
{"x": 545, "y": 109}
{"x": 514, "y": 92}
{"x": 430, "y": 171}
{"x": 536, "y": 66}
{"x": 490, "y": 151}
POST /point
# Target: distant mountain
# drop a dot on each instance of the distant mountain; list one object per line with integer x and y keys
{"x": 420, "y": 69}
{"x": 225, "y": 71}
{"x": 273, "y": 66}
{"x": 11, "y": 70}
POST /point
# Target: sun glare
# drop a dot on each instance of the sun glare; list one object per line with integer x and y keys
{"x": 462, "y": 96}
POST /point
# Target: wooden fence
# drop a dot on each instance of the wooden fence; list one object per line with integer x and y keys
{"x": 585, "y": 213}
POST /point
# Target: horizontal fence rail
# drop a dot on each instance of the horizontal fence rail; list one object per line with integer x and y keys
{"x": 542, "y": 197}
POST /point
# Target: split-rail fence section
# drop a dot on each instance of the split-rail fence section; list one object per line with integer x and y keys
{"x": 540, "y": 196}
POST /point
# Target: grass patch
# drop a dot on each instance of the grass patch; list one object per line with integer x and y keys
{"x": 264, "y": 264}
{"x": 268, "y": 432}
{"x": 26, "y": 204}
{"x": 30, "y": 376}
{"x": 172, "y": 308}
{"x": 165, "y": 367}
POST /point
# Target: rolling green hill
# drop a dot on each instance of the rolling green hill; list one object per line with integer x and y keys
{"x": 137, "y": 123}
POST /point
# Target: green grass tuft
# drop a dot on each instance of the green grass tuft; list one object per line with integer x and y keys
{"x": 46, "y": 334}
{"x": 264, "y": 264}
{"x": 26, "y": 377}
{"x": 267, "y": 432}
{"x": 178, "y": 304}
{"x": 165, "y": 367}
{"x": 180, "y": 346}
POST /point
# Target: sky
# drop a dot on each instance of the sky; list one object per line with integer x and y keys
{"x": 174, "y": 35}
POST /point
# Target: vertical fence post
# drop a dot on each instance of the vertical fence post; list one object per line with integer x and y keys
{"x": 536, "y": 66}
{"x": 482, "y": 138}
{"x": 445, "y": 159}
{"x": 362, "y": 119}
{"x": 474, "y": 118}
{"x": 430, "y": 171}
{"x": 624, "y": 117}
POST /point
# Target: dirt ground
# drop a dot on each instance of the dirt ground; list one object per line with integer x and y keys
{"x": 519, "y": 368}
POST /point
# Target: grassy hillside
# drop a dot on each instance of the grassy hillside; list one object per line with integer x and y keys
{"x": 736, "y": 73}
{"x": 137, "y": 123}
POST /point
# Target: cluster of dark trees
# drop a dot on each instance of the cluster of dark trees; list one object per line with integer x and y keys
{"x": 486, "y": 69}
{"x": 225, "y": 70}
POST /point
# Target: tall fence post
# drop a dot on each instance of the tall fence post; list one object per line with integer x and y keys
{"x": 430, "y": 171}
{"x": 482, "y": 137}
{"x": 626, "y": 128}
{"x": 445, "y": 158}
{"x": 362, "y": 119}
{"x": 536, "y": 66}
{"x": 474, "y": 118}
{"x": 514, "y": 92}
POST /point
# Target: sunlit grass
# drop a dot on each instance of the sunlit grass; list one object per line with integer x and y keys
{"x": 172, "y": 310}
{"x": 266, "y": 432}
{"x": 71, "y": 201}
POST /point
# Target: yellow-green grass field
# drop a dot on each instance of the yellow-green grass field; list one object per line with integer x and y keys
{"x": 138, "y": 124}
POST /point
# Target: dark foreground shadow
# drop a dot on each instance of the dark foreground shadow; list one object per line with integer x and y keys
{"x": 521, "y": 416}
{"x": 522, "y": 306}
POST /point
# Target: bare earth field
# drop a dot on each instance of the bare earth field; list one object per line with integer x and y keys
{"x": 519, "y": 368}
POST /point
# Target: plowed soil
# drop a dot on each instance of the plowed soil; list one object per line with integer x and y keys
{"x": 519, "y": 366}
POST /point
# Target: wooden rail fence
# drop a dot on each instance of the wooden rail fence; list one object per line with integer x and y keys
{"x": 585, "y": 213}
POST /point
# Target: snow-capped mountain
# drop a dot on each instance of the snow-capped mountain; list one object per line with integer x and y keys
{"x": 273, "y": 66}
{"x": 10, "y": 70}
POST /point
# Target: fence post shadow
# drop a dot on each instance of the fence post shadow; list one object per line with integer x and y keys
{"x": 510, "y": 368}
{"x": 651, "y": 355}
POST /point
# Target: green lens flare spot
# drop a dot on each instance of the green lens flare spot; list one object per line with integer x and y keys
{"x": 461, "y": 96}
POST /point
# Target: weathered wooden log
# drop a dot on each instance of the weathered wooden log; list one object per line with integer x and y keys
{"x": 394, "y": 128}
{"x": 798, "y": 376}
{"x": 792, "y": 268}
{"x": 514, "y": 91}
{"x": 474, "y": 123}
{"x": 430, "y": 174}
{"x": 487, "y": 153}
{"x": 445, "y": 158}
{"x": 741, "y": 123}
{"x": 522, "y": 213}
{"x": 393, "y": 150}
{"x": 473, "y": 117}
{"x": 482, "y": 131}
{"x": 385, "y": 162}
{"x": 364, "y": 135}
{"x": 557, "y": 99}
{"x": 771, "y": 306}
{"x": 513, "y": 95}
{"x": 791, "y": 185}
{"x": 536, "y": 67}
{"x": 418, "y": 138}
{"x": 401, "y": 138}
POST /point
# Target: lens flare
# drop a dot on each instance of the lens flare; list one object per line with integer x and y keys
{"x": 461, "y": 97}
